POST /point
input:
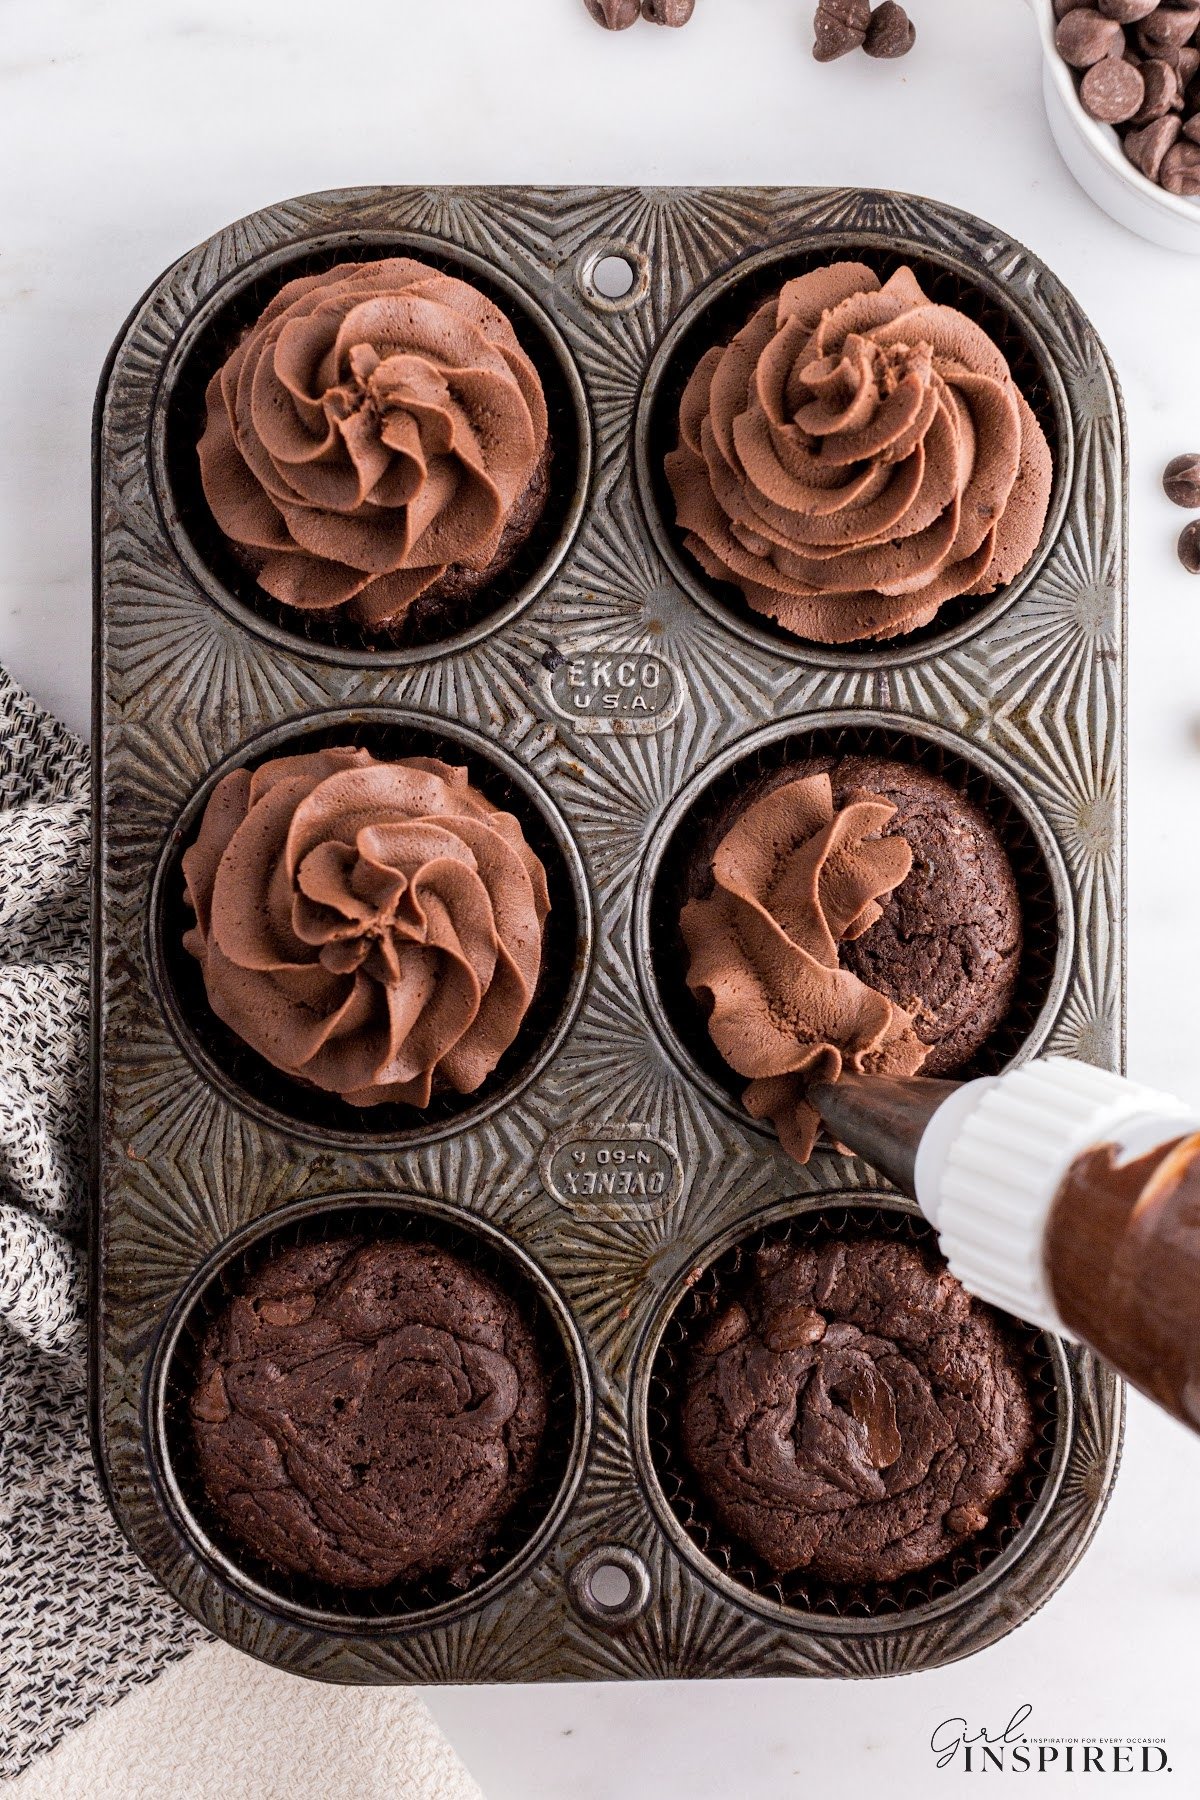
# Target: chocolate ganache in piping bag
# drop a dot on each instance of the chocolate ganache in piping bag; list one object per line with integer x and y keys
{"x": 374, "y": 928}
{"x": 856, "y": 456}
{"x": 377, "y": 435}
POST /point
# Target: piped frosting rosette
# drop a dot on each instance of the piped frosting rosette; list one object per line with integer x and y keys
{"x": 377, "y": 425}
{"x": 793, "y": 878}
{"x": 856, "y": 456}
{"x": 374, "y": 928}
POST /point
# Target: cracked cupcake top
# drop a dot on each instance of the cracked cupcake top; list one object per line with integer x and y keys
{"x": 367, "y": 1412}
{"x": 856, "y": 456}
{"x": 374, "y": 928}
{"x": 377, "y": 426}
{"x": 855, "y": 1413}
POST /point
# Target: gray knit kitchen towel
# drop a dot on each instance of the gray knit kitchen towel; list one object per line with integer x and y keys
{"x": 80, "y": 1620}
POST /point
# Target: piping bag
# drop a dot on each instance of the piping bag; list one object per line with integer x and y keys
{"x": 1061, "y": 1193}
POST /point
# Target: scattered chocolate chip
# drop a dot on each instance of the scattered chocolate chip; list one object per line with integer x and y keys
{"x": 1181, "y": 481}
{"x": 668, "y": 12}
{"x": 1167, "y": 25}
{"x": 210, "y": 1402}
{"x": 614, "y": 15}
{"x": 726, "y": 1330}
{"x": 794, "y": 1328}
{"x": 839, "y": 27}
{"x": 1085, "y": 36}
{"x": 1112, "y": 91}
{"x": 965, "y": 1521}
{"x": 1146, "y": 148}
{"x": 1189, "y": 547}
{"x": 1163, "y": 93}
{"x": 891, "y": 32}
{"x": 1125, "y": 12}
{"x": 1180, "y": 169}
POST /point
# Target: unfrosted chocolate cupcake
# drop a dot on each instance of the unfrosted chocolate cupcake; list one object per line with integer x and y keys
{"x": 856, "y": 456}
{"x": 371, "y": 928}
{"x": 850, "y": 911}
{"x": 854, "y": 1413}
{"x": 377, "y": 444}
{"x": 364, "y": 1413}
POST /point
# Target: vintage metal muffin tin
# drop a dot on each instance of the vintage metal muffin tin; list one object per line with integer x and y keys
{"x": 607, "y": 1162}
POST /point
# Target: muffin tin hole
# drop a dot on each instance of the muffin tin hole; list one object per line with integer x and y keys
{"x": 721, "y": 309}
{"x": 692, "y": 1516}
{"x": 613, "y": 277}
{"x": 372, "y": 1218}
{"x": 307, "y": 1111}
{"x": 662, "y": 955}
{"x": 428, "y": 626}
{"x": 610, "y": 1586}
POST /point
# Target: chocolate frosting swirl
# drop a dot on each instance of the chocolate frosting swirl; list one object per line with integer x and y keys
{"x": 856, "y": 456}
{"x": 856, "y": 1413}
{"x": 792, "y": 878}
{"x": 374, "y": 928}
{"x": 376, "y": 425}
{"x": 363, "y": 1413}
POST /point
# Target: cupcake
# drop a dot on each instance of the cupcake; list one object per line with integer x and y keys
{"x": 856, "y": 456}
{"x": 854, "y": 1413}
{"x": 377, "y": 441}
{"x": 364, "y": 1413}
{"x": 371, "y": 928}
{"x": 849, "y": 912}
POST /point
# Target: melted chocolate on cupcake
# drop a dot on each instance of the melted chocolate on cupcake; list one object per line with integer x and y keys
{"x": 377, "y": 437}
{"x": 366, "y": 1413}
{"x": 854, "y": 912}
{"x": 374, "y": 928}
{"x": 854, "y": 1413}
{"x": 856, "y": 456}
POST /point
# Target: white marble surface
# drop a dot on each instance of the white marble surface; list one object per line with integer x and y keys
{"x": 129, "y": 131}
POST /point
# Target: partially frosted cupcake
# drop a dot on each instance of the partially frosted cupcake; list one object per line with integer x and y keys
{"x": 378, "y": 438}
{"x": 856, "y": 456}
{"x": 371, "y": 928}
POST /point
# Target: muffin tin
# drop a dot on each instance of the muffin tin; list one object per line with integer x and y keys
{"x": 606, "y": 692}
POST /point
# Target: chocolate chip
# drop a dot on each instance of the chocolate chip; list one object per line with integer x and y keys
{"x": 1189, "y": 547}
{"x": 668, "y": 12}
{"x": 965, "y": 1521}
{"x": 614, "y": 15}
{"x": 1085, "y": 36}
{"x": 728, "y": 1329}
{"x": 292, "y": 1311}
{"x": 210, "y": 1402}
{"x": 1126, "y": 12}
{"x": 1191, "y": 129}
{"x": 793, "y": 1328}
{"x": 891, "y": 32}
{"x": 1167, "y": 25}
{"x": 839, "y": 27}
{"x": 1063, "y": 7}
{"x": 1180, "y": 170}
{"x": 1181, "y": 481}
{"x": 1147, "y": 147}
{"x": 1112, "y": 91}
{"x": 1163, "y": 91}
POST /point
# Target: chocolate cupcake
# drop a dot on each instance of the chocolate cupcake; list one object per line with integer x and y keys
{"x": 856, "y": 456}
{"x": 364, "y": 1413}
{"x": 377, "y": 441}
{"x": 371, "y": 928}
{"x": 854, "y": 1413}
{"x": 849, "y": 911}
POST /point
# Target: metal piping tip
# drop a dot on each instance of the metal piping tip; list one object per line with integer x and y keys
{"x": 881, "y": 1119}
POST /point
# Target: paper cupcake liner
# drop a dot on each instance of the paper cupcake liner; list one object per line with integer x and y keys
{"x": 721, "y": 1282}
{"x": 715, "y": 324}
{"x": 426, "y": 622}
{"x": 417, "y": 1594}
{"x": 312, "y": 1106}
{"x": 1035, "y": 887}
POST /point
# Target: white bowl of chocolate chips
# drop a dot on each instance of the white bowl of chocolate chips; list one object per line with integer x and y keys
{"x": 1149, "y": 128}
